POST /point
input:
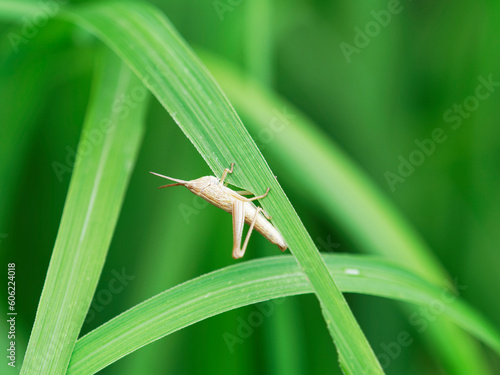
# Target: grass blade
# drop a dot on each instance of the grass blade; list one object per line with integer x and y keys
{"x": 104, "y": 161}
{"x": 146, "y": 41}
{"x": 254, "y": 281}
{"x": 353, "y": 201}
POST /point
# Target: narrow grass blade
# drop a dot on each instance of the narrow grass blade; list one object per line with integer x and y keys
{"x": 333, "y": 180}
{"x": 144, "y": 39}
{"x": 104, "y": 161}
{"x": 148, "y": 43}
{"x": 323, "y": 173}
{"x": 255, "y": 281}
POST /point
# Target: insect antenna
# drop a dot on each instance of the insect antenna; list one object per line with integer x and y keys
{"x": 179, "y": 182}
{"x": 164, "y": 186}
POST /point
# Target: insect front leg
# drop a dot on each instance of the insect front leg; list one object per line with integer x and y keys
{"x": 226, "y": 171}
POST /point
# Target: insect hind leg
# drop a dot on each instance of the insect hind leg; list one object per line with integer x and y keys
{"x": 238, "y": 253}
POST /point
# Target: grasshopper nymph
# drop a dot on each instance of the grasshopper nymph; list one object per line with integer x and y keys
{"x": 242, "y": 209}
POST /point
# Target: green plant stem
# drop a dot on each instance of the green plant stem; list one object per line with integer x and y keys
{"x": 104, "y": 160}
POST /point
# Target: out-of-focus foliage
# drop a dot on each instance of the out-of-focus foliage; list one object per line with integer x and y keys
{"x": 409, "y": 90}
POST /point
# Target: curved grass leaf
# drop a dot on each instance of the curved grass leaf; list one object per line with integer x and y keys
{"x": 343, "y": 190}
{"x": 374, "y": 228}
{"x": 104, "y": 162}
{"x": 255, "y": 281}
{"x": 146, "y": 41}
{"x": 351, "y": 201}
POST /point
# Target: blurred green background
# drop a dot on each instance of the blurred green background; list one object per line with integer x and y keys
{"x": 377, "y": 77}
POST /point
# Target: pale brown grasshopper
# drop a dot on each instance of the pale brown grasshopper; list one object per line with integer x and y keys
{"x": 243, "y": 210}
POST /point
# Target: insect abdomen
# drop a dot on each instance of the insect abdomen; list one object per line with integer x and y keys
{"x": 264, "y": 227}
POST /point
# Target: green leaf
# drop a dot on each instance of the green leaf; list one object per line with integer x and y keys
{"x": 104, "y": 162}
{"x": 323, "y": 173}
{"x": 147, "y": 42}
{"x": 352, "y": 201}
{"x": 344, "y": 191}
{"x": 255, "y": 281}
